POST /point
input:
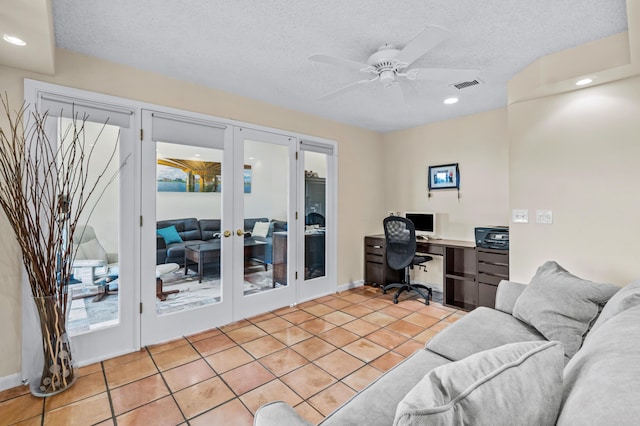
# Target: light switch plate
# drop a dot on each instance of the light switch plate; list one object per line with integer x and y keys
{"x": 544, "y": 217}
{"x": 520, "y": 216}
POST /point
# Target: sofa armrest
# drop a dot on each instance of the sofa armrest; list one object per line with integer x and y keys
{"x": 507, "y": 294}
{"x": 278, "y": 413}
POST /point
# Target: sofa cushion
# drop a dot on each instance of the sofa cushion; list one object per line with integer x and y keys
{"x": 562, "y": 306}
{"x": 187, "y": 228}
{"x": 277, "y": 226}
{"x": 602, "y": 381}
{"x": 514, "y": 384}
{"x": 260, "y": 229}
{"x": 376, "y": 404}
{"x": 209, "y": 228}
{"x": 627, "y": 297}
{"x": 169, "y": 234}
{"x": 479, "y": 330}
{"x": 250, "y": 223}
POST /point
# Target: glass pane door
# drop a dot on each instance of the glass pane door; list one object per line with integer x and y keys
{"x": 188, "y": 183}
{"x": 265, "y": 225}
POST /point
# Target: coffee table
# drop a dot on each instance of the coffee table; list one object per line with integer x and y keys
{"x": 206, "y": 253}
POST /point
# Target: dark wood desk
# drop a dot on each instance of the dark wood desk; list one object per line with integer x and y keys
{"x": 314, "y": 256}
{"x": 470, "y": 274}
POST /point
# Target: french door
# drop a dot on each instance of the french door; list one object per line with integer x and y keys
{"x": 187, "y": 218}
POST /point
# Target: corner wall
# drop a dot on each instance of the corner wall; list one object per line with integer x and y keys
{"x": 358, "y": 150}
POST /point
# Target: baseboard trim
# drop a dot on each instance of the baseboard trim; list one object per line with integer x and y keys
{"x": 11, "y": 381}
{"x": 350, "y": 285}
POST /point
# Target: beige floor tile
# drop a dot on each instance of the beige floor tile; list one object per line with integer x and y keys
{"x": 84, "y": 387}
{"x": 361, "y": 378}
{"x": 405, "y": 328}
{"x": 409, "y": 347}
{"x": 435, "y": 311}
{"x": 339, "y": 363}
{"x": 331, "y": 398}
{"x": 283, "y": 361}
{"x": 356, "y": 298}
{"x": 364, "y": 349}
{"x": 439, "y": 326}
{"x": 338, "y": 318}
{"x": 308, "y": 380}
{"x": 298, "y": 317}
{"x": 33, "y": 421}
{"x": 263, "y": 346}
{"x": 425, "y": 336}
{"x": 313, "y": 348}
{"x": 121, "y": 374}
{"x": 20, "y": 408}
{"x": 379, "y": 319}
{"x": 136, "y": 394}
{"x": 154, "y": 349}
{"x": 229, "y": 359}
{"x": 386, "y": 338}
{"x": 175, "y": 357}
{"x": 188, "y": 374}
{"x": 309, "y": 413}
{"x": 316, "y": 326}
{"x": 424, "y": 321}
{"x": 245, "y": 334}
{"x": 235, "y": 325}
{"x": 339, "y": 336}
{"x": 161, "y": 412}
{"x": 13, "y": 392}
{"x": 273, "y": 324}
{"x": 360, "y": 327}
{"x": 262, "y": 317}
{"x": 203, "y": 396}
{"x": 142, "y": 354}
{"x": 230, "y": 413}
{"x": 247, "y": 377}
{"x": 396, "y": 311}
{"x": 84, "y": 412}
{"x": 319, "y": 309}
{"x": 337, "y": 303}
{"x": 275, "y": 390}
{"x": 203, "y": 335}
{"x": 292, "y": 335}
{"x": 357, "y": 310}
{"x": 86, "y": 370}
{"x": 387, "y": 361}
{"x": 213, "y": 344}
{"x": 376, "y": 304}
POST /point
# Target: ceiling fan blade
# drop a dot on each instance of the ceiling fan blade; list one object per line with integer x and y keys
{"x": 447, "y": 75}
{"x": 409, "y": 92}
{"x": 346, "y": 88}
{"x": 334, "y": 60}
{"x": 429, "y": 38}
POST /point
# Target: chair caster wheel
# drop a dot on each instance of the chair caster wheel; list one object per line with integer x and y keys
{"x": 384, "y": 291}
{"x": 395, "y": 301}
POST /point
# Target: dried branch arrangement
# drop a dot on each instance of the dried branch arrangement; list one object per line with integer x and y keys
{"x": 45, "y": 188}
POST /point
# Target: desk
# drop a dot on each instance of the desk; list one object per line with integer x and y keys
{"x": 470, "y": 274}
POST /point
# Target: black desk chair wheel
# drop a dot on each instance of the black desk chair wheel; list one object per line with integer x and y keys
{"x": 400, "y": 243}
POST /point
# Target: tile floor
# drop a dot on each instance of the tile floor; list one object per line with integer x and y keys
{"x": 314, "y": 356}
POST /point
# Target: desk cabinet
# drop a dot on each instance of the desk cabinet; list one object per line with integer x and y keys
{"x": 376, "y": 270}
{"x": 493, "y": 267}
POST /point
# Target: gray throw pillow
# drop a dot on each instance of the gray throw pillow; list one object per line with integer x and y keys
{"x": 562, "y": 306}
{"x": 515, "y": 384}
{"x": 627, "y": 297}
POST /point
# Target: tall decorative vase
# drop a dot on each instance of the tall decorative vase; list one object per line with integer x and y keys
{"x": 57, "y": 372}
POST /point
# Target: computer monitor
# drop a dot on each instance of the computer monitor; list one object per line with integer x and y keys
{"x": 425, "y": 223}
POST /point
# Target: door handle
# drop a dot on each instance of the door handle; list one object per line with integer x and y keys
{"x": 227, "y": 234}
{"x": 240, "y": 232}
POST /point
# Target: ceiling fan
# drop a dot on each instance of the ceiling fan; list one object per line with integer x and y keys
{"x": 390, "y": 65}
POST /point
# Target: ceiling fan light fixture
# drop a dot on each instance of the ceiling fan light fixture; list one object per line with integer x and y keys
{"x": 451, "y": 101}
{"x": 387, "y": 76}
{"x": 584, "y": 81}
{"x": 17, "y": 41}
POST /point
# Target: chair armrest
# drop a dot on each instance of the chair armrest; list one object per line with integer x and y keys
{"x": 112, "y": 258}
{"x": 507, "y": 294}
{"x": 278, "y": 413}
{"x": 89, "y": 263}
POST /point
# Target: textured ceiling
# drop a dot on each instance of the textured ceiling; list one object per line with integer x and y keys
{"x": 260, "y": 48}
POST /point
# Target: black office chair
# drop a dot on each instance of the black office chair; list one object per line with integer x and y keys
{"x": 315, "y": 219}
{"x": 400, "y": 242}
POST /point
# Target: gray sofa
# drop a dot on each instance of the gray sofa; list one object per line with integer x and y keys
{"x": 194, "y": 231}
{"x": 537, "y": 381}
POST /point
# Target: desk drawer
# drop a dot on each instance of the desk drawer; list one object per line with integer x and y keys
{"x": 375, "y": 250}
{"x": 375, "y": 258}
{"x": 495, "y": 269}
{"x": 489, "y": 257}
{"x": 493, "y": 280}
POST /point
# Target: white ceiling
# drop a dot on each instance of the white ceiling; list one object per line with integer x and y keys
{"x": 260, "y": 48}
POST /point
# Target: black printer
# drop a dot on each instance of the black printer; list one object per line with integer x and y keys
{"x": 493, "y": 237}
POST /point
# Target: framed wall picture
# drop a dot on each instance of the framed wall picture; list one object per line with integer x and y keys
{"x": 446, "y": 176}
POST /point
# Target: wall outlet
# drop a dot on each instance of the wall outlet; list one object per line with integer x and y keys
{"x": 544, "y": 217}
{"x": 391, "y": 213}
{"x": 520, "y": 216}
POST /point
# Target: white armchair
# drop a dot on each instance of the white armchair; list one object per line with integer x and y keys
{"x": 90, "y": 256}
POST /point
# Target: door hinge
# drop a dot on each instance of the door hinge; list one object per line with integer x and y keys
{"x": 296, "y": 275}
{"x": 141, "y": 307}
{"x": 141, "y": 134}
{"x": 296, "y": 155}
{"x": 296, "y": 215}
{"x": 140, "y": 220}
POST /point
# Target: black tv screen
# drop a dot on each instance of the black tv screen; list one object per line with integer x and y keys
{"x": 423, "y": 222}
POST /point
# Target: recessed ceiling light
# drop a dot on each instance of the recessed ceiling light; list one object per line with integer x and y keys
{"x": 14, "y": 40}
{"x": 197, "y": 155}
{"x": 584, "y": 81}
{"x": 450, "y": 101}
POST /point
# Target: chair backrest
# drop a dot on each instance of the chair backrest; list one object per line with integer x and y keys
{"x": 400, "y": 241}
{"x": 314, "y": 218}
{"x": 86, "y": 245}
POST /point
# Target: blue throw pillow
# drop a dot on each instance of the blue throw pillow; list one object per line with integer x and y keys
{"x": 170, "y": 235}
